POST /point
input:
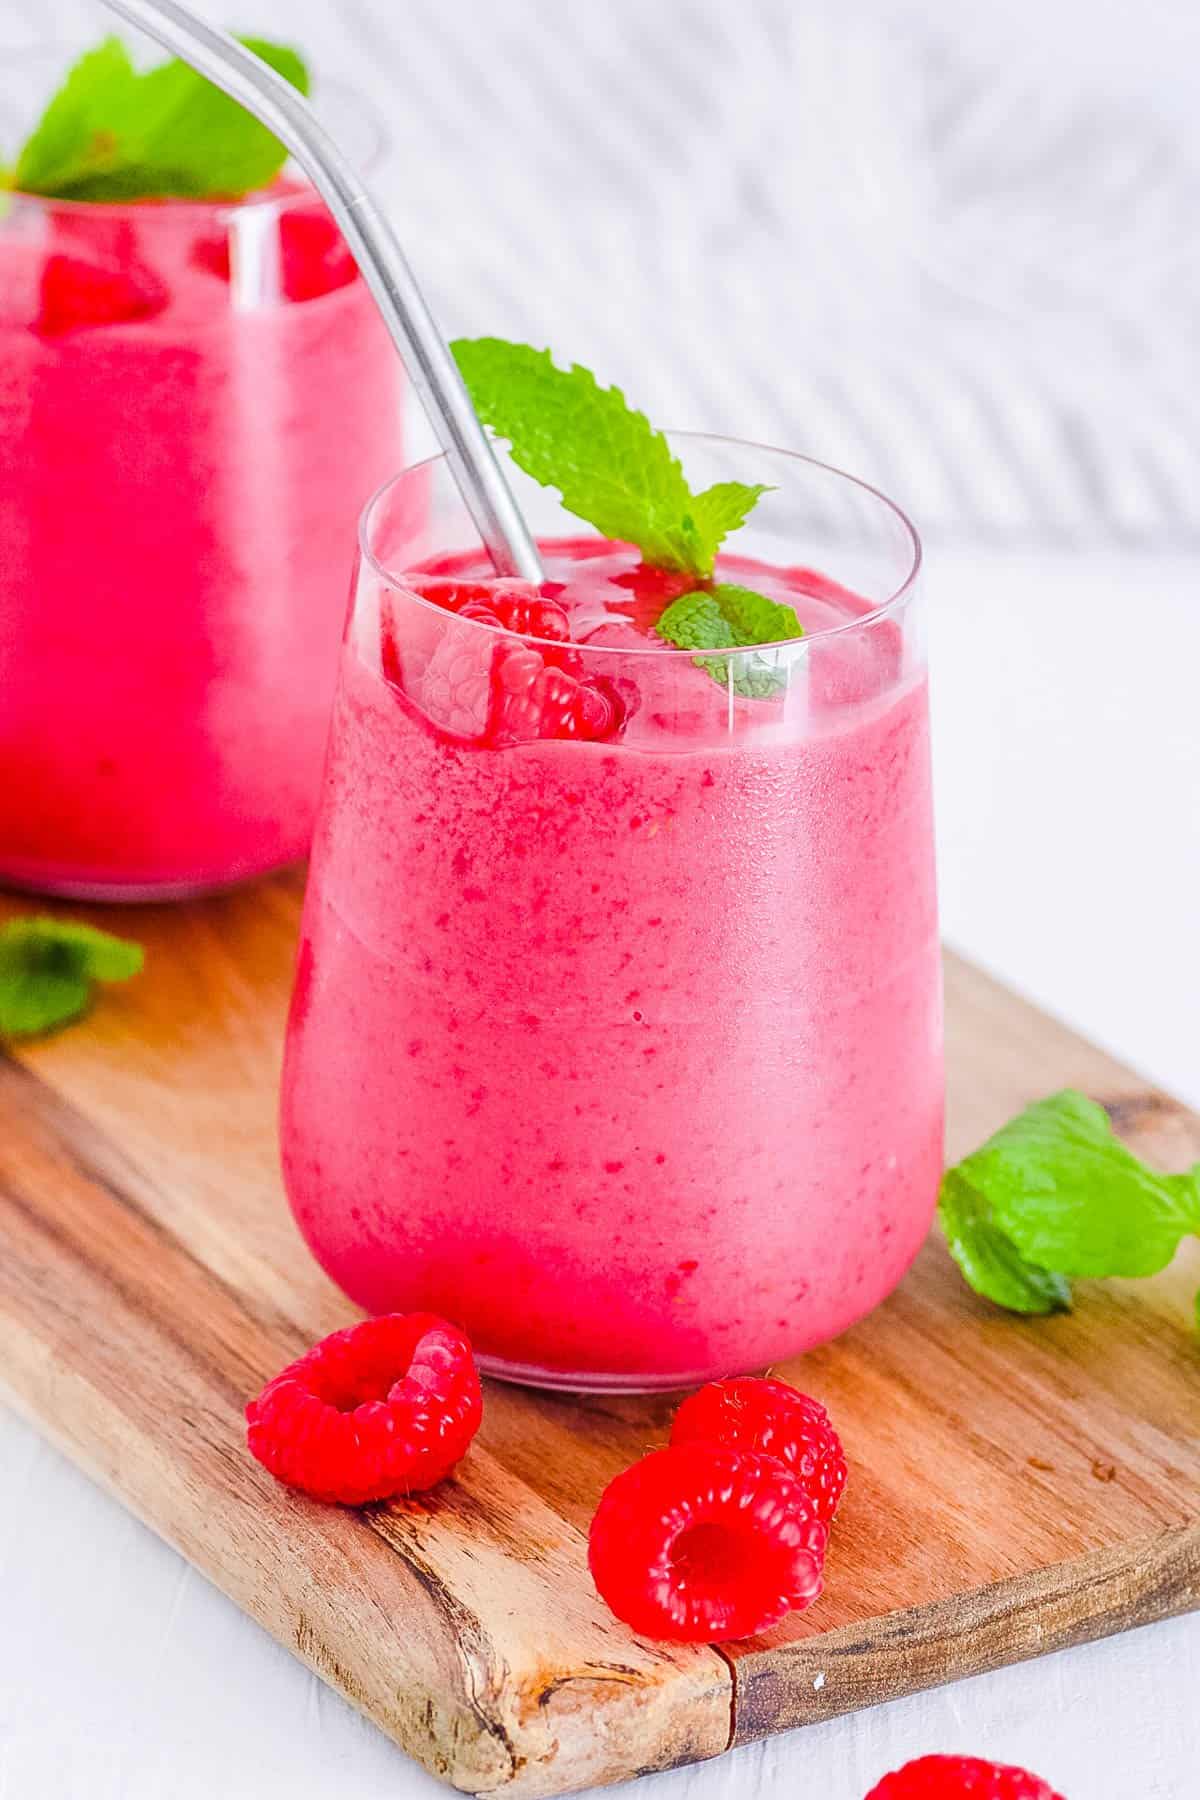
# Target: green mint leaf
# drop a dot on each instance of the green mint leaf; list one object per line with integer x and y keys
{"x": 722, "y": 509}
{"x": 606, "y": 460}
{"x": 754, "y": 618}
{"x": 697, "y": 621}
{"x": 1071, "y": 1197}
{"x": 75, "y": 136}
{"x": 47, "y": 967}
{"x": 1056, "y": 1190}
{"x": 111, "y": 133}
{"x": 729, "y": 617}
{"x": 751, "y": 679}
{"x": 991, "y": 1262}
{"x": 610, "y": 465}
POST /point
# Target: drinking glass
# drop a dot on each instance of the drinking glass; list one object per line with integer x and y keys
{"x": 194, "y": 397}
{"x": 624, "y": 1051}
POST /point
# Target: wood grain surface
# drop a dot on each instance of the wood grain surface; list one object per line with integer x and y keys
{"x": 1017, "y": 1486}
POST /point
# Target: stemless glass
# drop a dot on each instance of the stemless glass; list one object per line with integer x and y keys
{"x": 194, "y": 398}
{"x": 625, "y": 1054}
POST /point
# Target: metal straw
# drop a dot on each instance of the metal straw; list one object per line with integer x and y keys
{"x": 432, "y": 369}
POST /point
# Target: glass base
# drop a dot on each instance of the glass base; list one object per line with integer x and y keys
{"x": 563, "y": 1382}
{"x": 137, "y": 893}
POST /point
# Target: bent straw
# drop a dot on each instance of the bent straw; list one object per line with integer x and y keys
{"x": 276, "y": 104}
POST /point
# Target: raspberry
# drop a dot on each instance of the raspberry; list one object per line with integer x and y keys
{"x": 387, "y": 1407}
{"x": 770, "y": 1417}
{"x": 487, "y": 687}
{"x": 960, "y": 1778}
{"x": 537, "y": 618}
{"x": 703, "y": 1543}
{"x": 456, "y": 688}
{"x": 76, "y": 293}
{"x": 313, "y": 255}
{"x": 456, "y": 596}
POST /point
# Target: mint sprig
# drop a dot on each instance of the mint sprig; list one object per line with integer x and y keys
{"x": 610, "y": 465}
{"x": 112, "y": 133}
{"x": 47, "y": 970}
{"x": 1053, "y": 1196}
{"x": 727, "y": 616}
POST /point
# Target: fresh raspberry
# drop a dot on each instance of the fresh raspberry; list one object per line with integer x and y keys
{"x": 960, "y": 1778}
{"x": 702, "y": 1543}
{"x": 455, "y": 595}
{"x": 76, "y": 293}
{"x": 771, "y": 1417}
{"x": 456, "y": 687}
{"x": 547, "y": 702}
{"x": 536, "y": 618}
{"x": 485, "y": 686}
{"x": 386, "y": 1407}
{"x": 314, "y": 258}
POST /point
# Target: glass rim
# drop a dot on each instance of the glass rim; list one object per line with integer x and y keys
{"x": 893, "y": 603}
{"x": 368, "y": 162}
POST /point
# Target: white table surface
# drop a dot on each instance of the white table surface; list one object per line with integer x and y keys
{"x": 1068, "y": 786}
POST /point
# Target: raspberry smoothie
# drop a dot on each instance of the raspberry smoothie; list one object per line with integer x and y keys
{"x": 616, "y": 1033}
{"x": 183, "y": 452}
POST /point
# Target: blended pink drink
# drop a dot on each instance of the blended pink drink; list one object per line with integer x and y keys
{"x": 619, "y": 1044}
{"x": 194, "y": 398}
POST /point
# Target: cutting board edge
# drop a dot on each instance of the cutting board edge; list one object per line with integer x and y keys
{"x": 1097, "y": 1595}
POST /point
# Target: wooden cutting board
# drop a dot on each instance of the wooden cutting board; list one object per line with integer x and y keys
{"x": 1016, "y": 1486}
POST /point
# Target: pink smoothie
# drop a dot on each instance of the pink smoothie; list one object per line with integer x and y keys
{"x": 626, "y": 1055}
{"x": 179, "y": 482}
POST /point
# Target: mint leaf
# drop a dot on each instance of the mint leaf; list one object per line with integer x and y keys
{"x": 111, "y": 133}
{"x": 1072, "y": 1197}
{"x": 75, "y": 135}
{"x": 991, "y": 1262}
{"x": 724, "y": 508}
{"x": 697, "y": 621}
{"x": 727, "y": 617}
{"x": 610, "y": 465}
{"x": 47, "y": 967}
{"x": 1056, "y": 1190}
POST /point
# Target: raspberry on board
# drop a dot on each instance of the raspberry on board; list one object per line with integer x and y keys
{"x": 703, "y": 1543}
{"x": 961, "y": 1778}
{"x": 769, "y": 1416}
{"x": 386, "y": 1407}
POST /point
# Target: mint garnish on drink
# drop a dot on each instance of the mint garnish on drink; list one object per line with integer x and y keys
{"x": 610, "y": 465}
{"x": 1054, "y": 1196}
{"x": 114, "y": 133}
{"x": 617, "y": 472}
{"x": 726, "y": 617}
{"x": 48, "y": 968}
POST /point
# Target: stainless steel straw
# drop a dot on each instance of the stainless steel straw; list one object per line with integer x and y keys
{"x": 432, "y": 369}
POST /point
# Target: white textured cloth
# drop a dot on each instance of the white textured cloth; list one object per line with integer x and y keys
{"x": 963, "y": 264}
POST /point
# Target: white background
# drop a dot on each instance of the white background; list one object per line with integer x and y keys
{"x": 1068, "y": 768}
